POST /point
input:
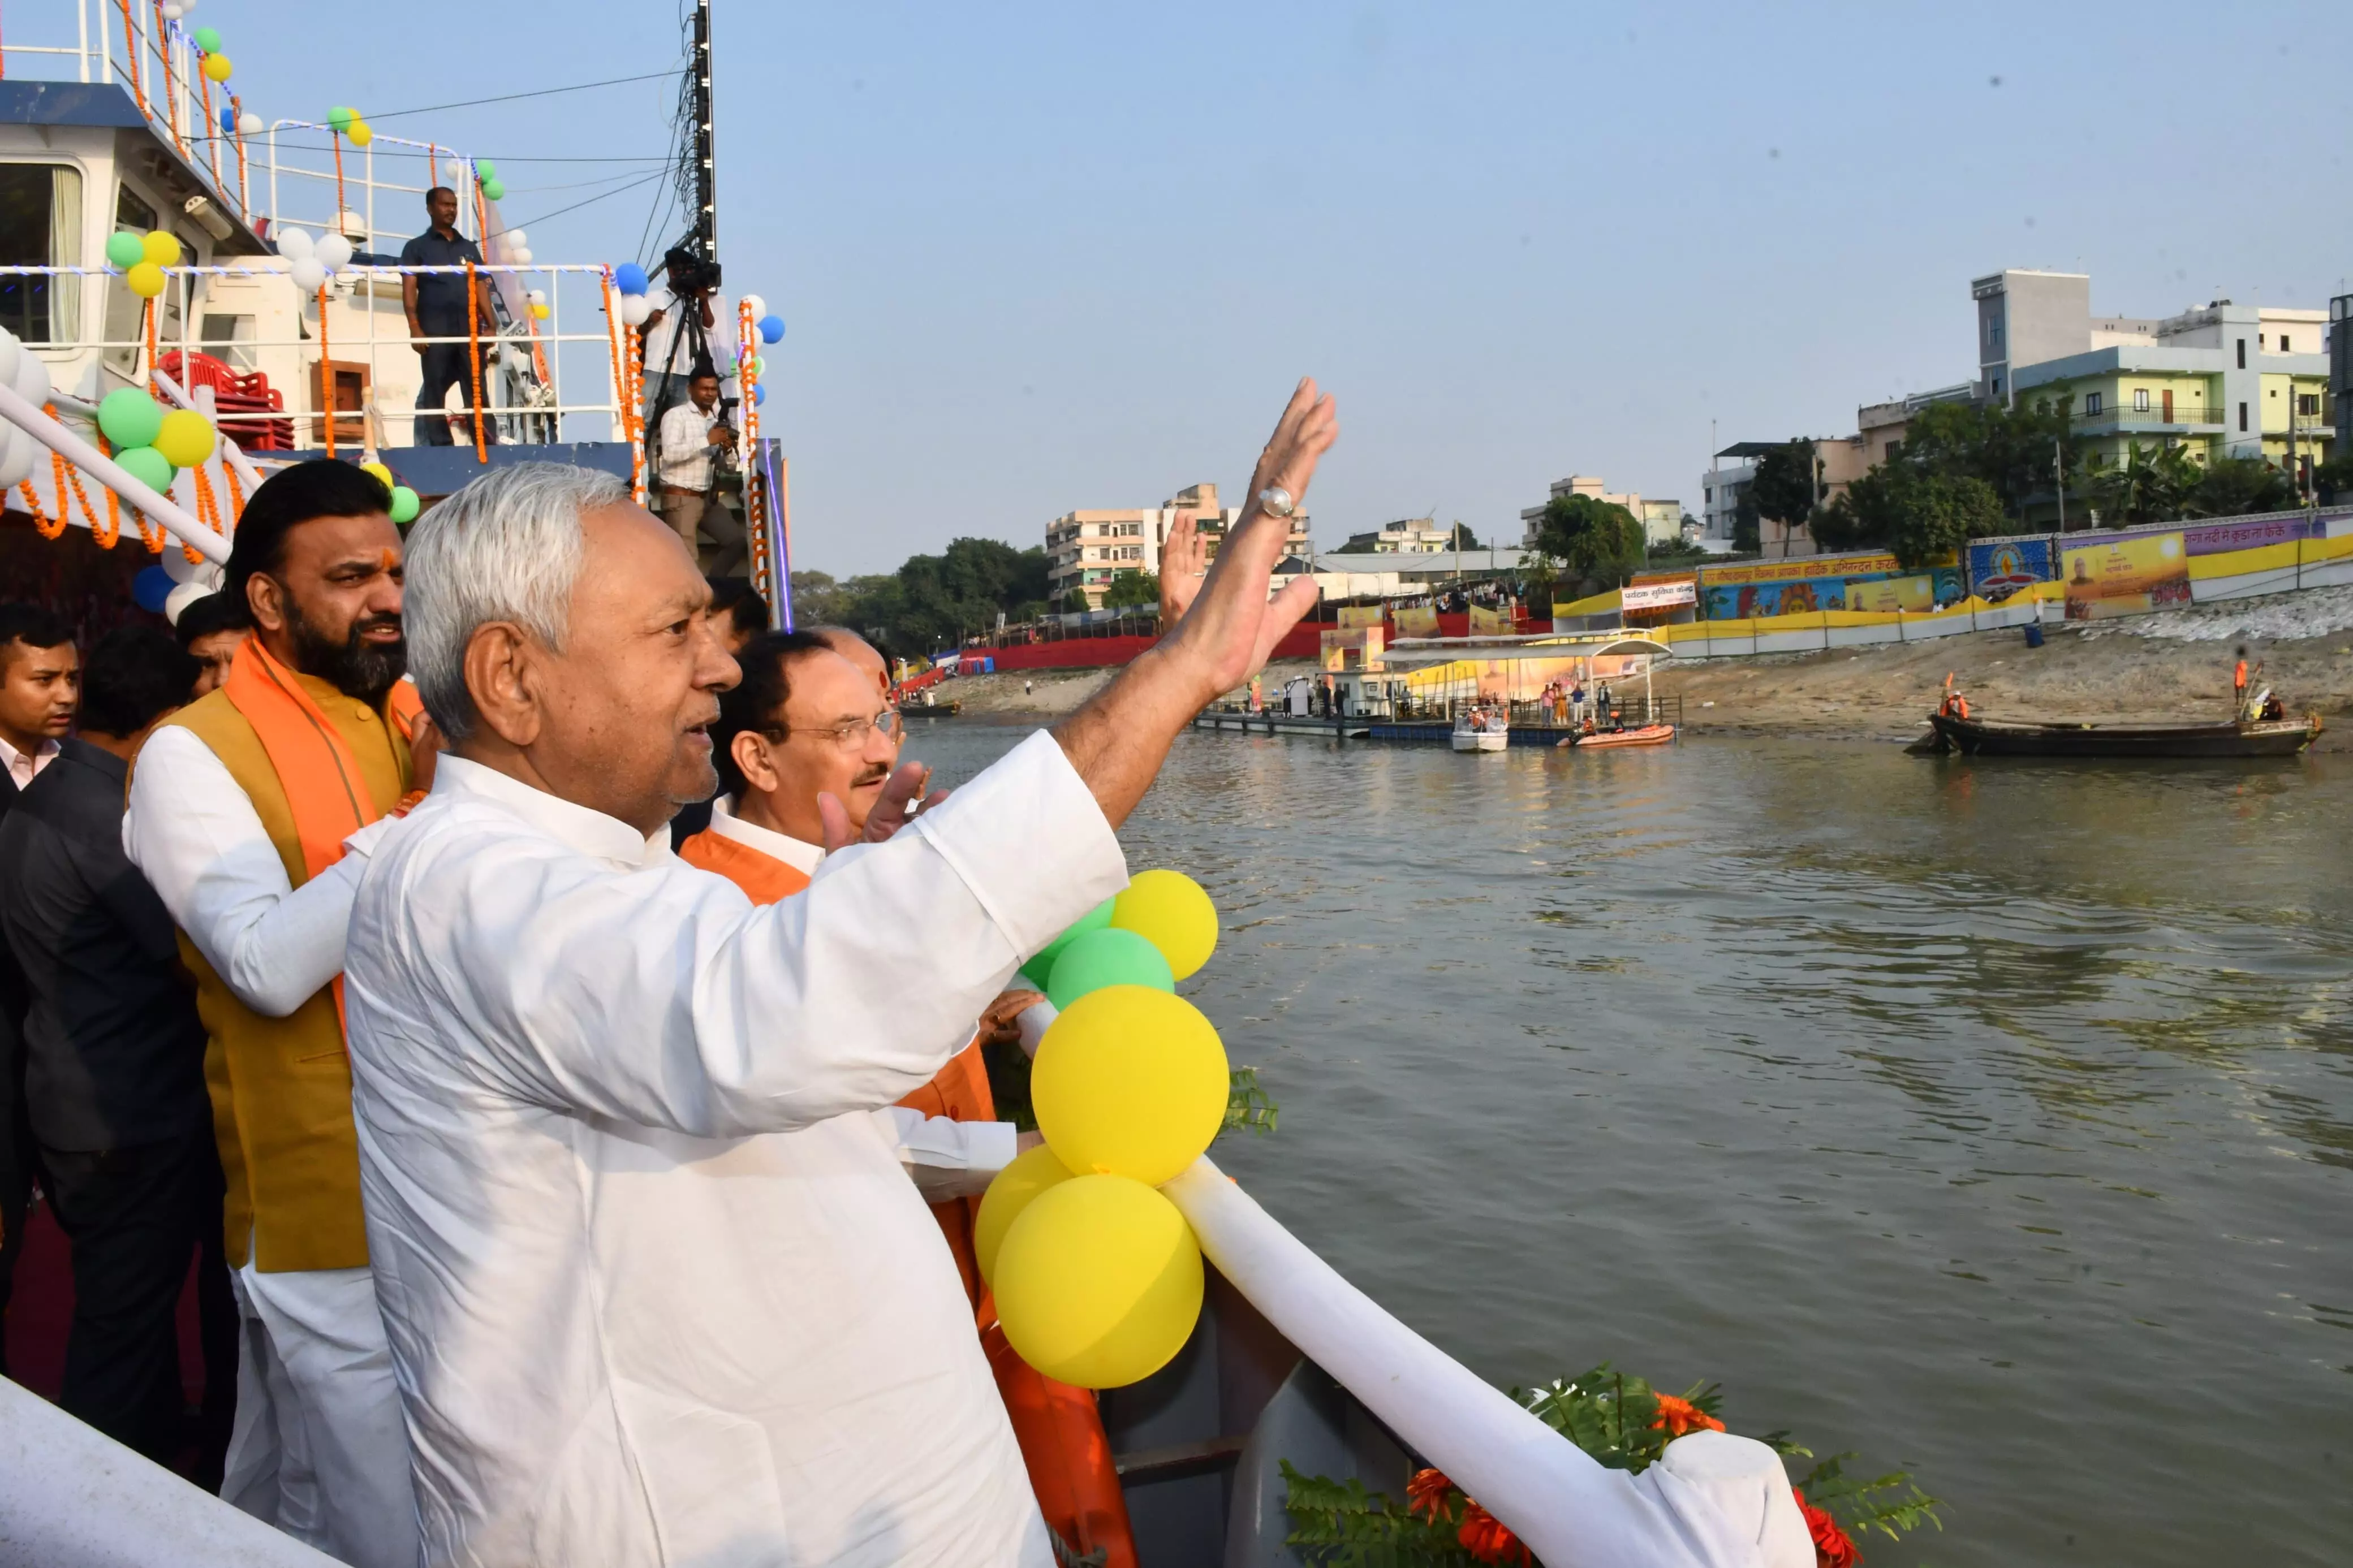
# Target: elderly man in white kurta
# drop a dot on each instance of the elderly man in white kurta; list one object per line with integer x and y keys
{"x": 658, "y": 1289}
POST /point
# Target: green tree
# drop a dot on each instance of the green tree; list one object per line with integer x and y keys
{"x": 1922, "y": 517}
{"x": 1132, "y": 590}
{"x": 1460, "y": 536}
{"x": 2333, "y": 478}
{"x": 1784, "y": 488}
{"x": 2234, "y": 485}
{"x": 1748, "y": 536}
{"x": 2146, "y": 487}
{"x": 2013, "y": 450}
{"x": 1593, "y": 541}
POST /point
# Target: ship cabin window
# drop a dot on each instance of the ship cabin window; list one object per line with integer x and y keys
{"x": 124, "y": 310}
{"x": 40, "y": 226}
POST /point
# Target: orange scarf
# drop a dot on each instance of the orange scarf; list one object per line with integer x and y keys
{"x": 325, "y": 788}
{"x": 324, "y": 784}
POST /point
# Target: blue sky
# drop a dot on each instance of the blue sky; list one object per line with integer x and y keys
{"x": 1044, "y": 255}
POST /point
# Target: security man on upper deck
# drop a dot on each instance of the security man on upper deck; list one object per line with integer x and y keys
{"x": 437, "y": 304}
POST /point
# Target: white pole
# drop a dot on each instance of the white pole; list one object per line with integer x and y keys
{"x": 80, "y": 453}
{"x": 74, "y": 1499}
{"x": 1734, "y": 1511}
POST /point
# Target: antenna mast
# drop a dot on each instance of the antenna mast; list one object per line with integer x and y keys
{"x": 706, "y": 149}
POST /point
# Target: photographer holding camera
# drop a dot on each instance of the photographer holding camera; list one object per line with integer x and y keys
{"x": 696, "y": 441}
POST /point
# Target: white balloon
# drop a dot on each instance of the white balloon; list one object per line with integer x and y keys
{"x": 634, "y": 309}
{"x": 31, "y": 379}
{"x": 333, "y": 252}
{"x": 187, "y": 592}
{"x": 186, "y": 7}
{"x": 536, "y": 296}
{"x": 173, "y": 11}
{"x": 455, "y": 168}
{"x": 759, "y": 306}
{"x": 309, "y": 275}
{"x": 9, "y": 349}
{"x": 294, "y": 244}
{"x": 517, "y": 236}
{"x": 522, "y": 256}
{"x": 250, "y": 125}
{"x": 18, "y": 452}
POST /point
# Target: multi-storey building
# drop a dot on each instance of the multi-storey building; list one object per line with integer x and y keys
{"x": 1407, "y": 536}
{"x": 1086, "y": 550}
{"x": 1661, "y": 520}
{"x": 2239, "y": 381}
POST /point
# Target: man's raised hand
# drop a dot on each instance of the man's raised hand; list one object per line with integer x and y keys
{"x": 1232, "y": 626}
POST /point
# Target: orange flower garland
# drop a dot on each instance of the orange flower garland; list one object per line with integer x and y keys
{"x": 1832, "y": 1548}
{"x": 1678, "y": 1415}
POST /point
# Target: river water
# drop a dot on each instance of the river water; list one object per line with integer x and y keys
{"x": 1993, "y": 1120}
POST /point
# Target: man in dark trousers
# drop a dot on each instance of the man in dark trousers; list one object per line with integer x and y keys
{"x": 438, "y": 306}
{"x": 40, "y": 680}
{"x": 114, "y": 1051}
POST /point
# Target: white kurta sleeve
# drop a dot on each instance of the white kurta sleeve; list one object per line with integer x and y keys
{"x": 657, "y": 995}
{"x": 195, "y": 836}
{"x": 945, "y": 1158}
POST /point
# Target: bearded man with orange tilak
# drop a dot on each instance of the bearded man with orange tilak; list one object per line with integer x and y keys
{"x": 657, "y": 1285}
{"x": 245, "y": 807}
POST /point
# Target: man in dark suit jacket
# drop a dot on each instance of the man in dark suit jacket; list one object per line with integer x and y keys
{"x": 39, "y": 683}
{"x": 114, "y": 1089}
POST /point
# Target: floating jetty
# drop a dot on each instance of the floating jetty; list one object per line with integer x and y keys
{"x": 1426, "y": 731}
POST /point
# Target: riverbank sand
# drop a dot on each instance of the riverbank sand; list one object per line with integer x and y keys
{"x": 2149, "y": 668}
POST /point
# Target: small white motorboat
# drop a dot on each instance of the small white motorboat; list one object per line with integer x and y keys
{"x": 1481, "y": 729}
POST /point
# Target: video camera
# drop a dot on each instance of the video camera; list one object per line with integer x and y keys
{"x": 689, "y": 273}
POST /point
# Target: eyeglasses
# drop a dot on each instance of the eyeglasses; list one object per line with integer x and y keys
{"x": 887, "y": 723}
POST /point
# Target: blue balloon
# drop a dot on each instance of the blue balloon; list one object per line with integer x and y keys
{"x": 629, "y": 277}
{"x": 229, "y": 121}
{"x": 759, "y": 395}
{"x": 152, "y": 587}
{"x": 772, "y": 329}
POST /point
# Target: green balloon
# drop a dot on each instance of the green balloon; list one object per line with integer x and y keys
{"x": 405, "y": 504}
{"x": 125, "y": 250}
{"x": 1108, "y": 957}
{"x": 340, "y": 119}
{"x": 1093, "y": 920}
{"x": 495, "y": 189}
{"x": 129, "y": 418}
{"x": 148, "y": 465}
{"x": 485, "y": 171}
{"x": 209, "y": 39}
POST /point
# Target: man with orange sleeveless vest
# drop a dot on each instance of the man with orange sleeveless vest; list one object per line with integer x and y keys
{"x": 242, "y": 808}
{"x": 808, "y": 722}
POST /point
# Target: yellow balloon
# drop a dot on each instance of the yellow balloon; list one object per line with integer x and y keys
{"x": 1130, "y": 1081}
{"x": 1169, "y": 909}
{"x": 360, "y": 133}
{"x": 383, "y": 474}
{"x": 1099, "y": 1282}
{"x": 161, "y": 247}
{"x": 1031, "y": 1172}
{"x": 185, "y": 438}
{"x": 146, "y": 279}
{"x": 217, "y": 68}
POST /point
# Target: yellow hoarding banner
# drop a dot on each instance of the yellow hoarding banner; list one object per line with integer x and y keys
{"x": 1799, "y": 570}
{"x": 1888, "y": 594}
{"x": 2124, "y": 575}
{"x": 1486, "y": 623}
{"x": 1353, "y": 617}
{"x": 1416, "y": 623}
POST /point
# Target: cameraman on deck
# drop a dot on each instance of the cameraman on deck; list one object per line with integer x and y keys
{"x": 694, "y": 439}
{"x": 437, "y": 308}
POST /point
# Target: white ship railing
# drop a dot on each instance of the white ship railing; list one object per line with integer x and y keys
{"x": 531, "y": 407}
